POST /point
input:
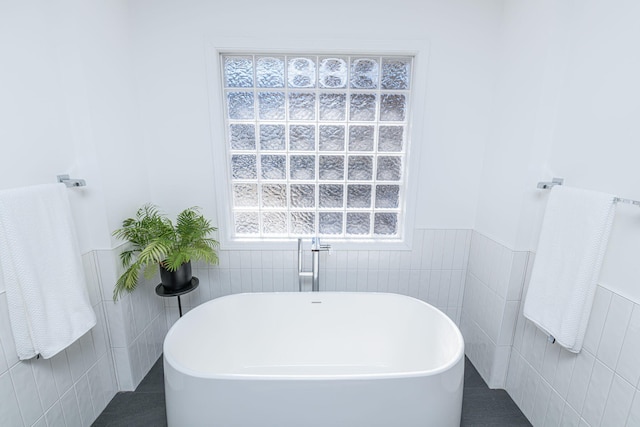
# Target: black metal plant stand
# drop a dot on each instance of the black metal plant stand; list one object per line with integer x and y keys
{"x": 163, "y": 292}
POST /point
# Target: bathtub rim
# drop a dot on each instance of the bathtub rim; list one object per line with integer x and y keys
{"x": 458, "y": 356}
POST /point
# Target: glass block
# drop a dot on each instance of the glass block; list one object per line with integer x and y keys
{"x": 303, "y": 223}
{"x": 385, "y": 223}
{"x": 360, "y": 168}
{"x": 387, "y": 196}
{"x": 246, "y": 223}
{"x": 332, "y": 106}
{"x": 330, "y": 222}
{"x": 395, "y": 73}
{"x": 302, "y": 72}
{"x": 245, "y": 195}
{"x": 243, "y": 137}
{"x": 361, "y": 138}
{"x": 243, "y": 166}
{"x": 274, "y": 195}
{"x": 331, "y": 138}
{"x": 390, "y": 138}
{"x": 362, "y": 107}
{"x": 270, "y": 71}
{"x": 358, "y": 223}
{"x": 272, "y": 137}
{"x": 303, "y": 195}
{"x": 364, "y": 73}
{"x": 302, "y": 137}
{"x": 240, "y": 105}
{"x": 274, "y": 222}
{"x": 330, "y": 195}
{"x": 271, "y": 105}
{"x": 389, "y": 168}
{"x": 392, "y": 108}
{"x": 332, "y": 73}
{"x": 358, "y": 196}
{"x": 302, "y": 106}
{"x": 238, "y": 71}
{"x": 273, "y": 166}
{"x": 331, "y": 167}
{"x": 302, "y": 167}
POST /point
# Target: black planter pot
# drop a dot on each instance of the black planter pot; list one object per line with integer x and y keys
{"x": 173, "y": 281}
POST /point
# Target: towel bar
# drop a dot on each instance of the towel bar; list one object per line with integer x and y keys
{"x": 555, "y": 181}
{"x": 71, "y": 182}
{"x": 544, "y": 185}
{"x": 628, "y": 201}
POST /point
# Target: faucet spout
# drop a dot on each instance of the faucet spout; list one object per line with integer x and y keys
{"x": 316, "y": 248}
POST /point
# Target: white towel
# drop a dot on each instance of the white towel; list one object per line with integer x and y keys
{"x": 573, "y": 239}
{"x": 48, "y": 302}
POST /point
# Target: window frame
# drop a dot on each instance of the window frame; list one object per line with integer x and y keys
{"x": 418, "y": 49}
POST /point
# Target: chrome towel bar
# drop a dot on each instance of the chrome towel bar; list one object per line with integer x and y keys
{"x": 71, "y": 182}
{"x": 544, "y": 185}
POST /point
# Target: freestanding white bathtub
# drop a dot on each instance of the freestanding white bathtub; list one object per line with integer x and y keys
{"x": 314, "y": 360}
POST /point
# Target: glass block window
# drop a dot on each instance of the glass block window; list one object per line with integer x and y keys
{"x": 317, "y": 144}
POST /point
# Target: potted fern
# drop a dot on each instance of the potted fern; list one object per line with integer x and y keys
{"x": 155, "y": 240}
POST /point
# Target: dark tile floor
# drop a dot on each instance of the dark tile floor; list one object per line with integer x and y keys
{"x": 481, "y": 407}
{"x": 143, "y": 407}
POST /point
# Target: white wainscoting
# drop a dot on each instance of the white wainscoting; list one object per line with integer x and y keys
{"x": 70, "y": 389}
{"x": 552, "y": 387}
{"x": 433, "y": 271}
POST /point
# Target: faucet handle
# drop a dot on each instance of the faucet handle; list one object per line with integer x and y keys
{"x": 317, "y": 246}
{"x": 326, "y": 248}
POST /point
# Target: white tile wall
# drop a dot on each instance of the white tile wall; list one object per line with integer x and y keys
{"x": 596, "y": 387}
{"x": 495, "y": 276}
{"x": 476, "y": 281}
{"x": 136, "y": 322}
{"x": 70, "y": 389}
{"x": 433, "y": 271}
{"x": 553, "y": 387}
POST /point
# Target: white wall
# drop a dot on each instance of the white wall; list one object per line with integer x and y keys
{"x": 567, "y": 106}
{"x": 36, "y": 133}
{"x": 170, "y": 39}
{"x": 523, "y": 113}
{"x": 596, "y": 141}
{"x": 67, "y": 106}
{"x": 116, "y": 92}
